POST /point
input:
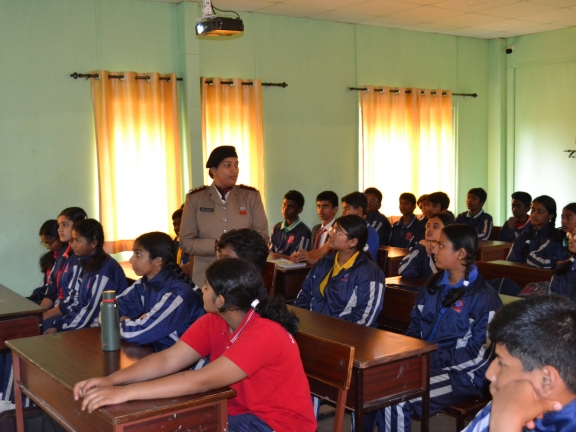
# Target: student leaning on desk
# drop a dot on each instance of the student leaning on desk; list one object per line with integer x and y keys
{"x": 251, "y": 348}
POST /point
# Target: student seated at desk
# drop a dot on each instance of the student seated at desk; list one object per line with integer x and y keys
{"x": 252, "y": 349}
{"x": 290, "y": 235}
{"x": 437, "y": 202}
{"x": 452, "y": 311}
{"x": 408, "y": 230}
{"x": 161, "y": 306}
{"x": 520, "y": 220}
{"x": 421, "y": 203}
{"x": 57, "y": 297}
{"x": 346, "y": 283}
{"x": 533, "y": 377}
{"x": 419, "y": 263}
{"x": 476, "y": 217}
{"x": 243, "y": 243}
{"x": 542, "y": 225}
{"x": 555, "y": 250}
{"x": 564, "y": 277}
{"x": 96, "y": 272}
{"x": 326, "y": 208}
{"x": 375, "y": 219}
{"x": 182, "y": 258}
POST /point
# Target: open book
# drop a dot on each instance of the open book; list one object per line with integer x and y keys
{"x": 284, "y": 263}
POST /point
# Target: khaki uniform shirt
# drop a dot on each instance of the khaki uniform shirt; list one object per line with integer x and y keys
{"x": 206, "y": 217}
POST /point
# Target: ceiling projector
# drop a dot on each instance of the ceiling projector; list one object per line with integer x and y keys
{"x": 213, "y": 25}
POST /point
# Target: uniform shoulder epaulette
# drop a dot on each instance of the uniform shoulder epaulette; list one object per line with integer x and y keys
{"x": 247, "y": 187}
{"x": 198, "y": 189}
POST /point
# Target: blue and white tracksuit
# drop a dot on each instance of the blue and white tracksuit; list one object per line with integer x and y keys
{"x": 552, "y": 421}
{"x": 553, "y": 250}
{"x": 355, "y": 294}
{"x": 381, "y": 225}
{"x": 528, "y": 241}
{"x": 565, "y": 285}
{"x": 57, "y": 286}
{"x": 405, "y": 236}
{"x": 85, "y": 293}
{"x": 482, "y": 223}
{"x": 417, "y": 264}
{"x": 159, "y": 310}
{"x": 464, "y": 352}
{"x": 508, "y": 234}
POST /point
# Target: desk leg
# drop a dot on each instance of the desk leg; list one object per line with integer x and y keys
{"x": 359, "y": 375}
{"x": 18, "y": 393}
{"x": 426, "y": 396}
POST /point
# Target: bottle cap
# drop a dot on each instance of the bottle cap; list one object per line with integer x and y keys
{"x": 109, "y": 295}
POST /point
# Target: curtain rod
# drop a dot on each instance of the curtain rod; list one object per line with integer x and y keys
{"x": 97, "y": 76}
{"x": 397, "y": 91}
{"x": 283, "y": 85}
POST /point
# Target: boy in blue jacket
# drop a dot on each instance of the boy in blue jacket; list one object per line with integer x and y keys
{"x": 476, "y": 217}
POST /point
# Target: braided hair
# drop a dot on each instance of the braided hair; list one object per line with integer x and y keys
{"x": 462, "y": 237}
{"x": 160, "y": 245}
{"x": 91, "y": 230}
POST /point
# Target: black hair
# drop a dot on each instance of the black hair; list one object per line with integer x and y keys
{"x": 550, "y": 204}
{"x": 422, "y": 198}
{"x": 446, "y": 218}
{"x": 374, "y": 191}
{"x": 160, "y": 245}
{"x": 479, "y": 192}
{"x": 407, "y": 196}
{"x": 177, "y": 214}
{"x": 74, "y": 214}
{"x": 439, "y": 198}
{"x": 356, "y": 199}
{"x": 248, "y": 245}
{"x": 91, "y": 230}
{"x": 47, "y": 261}
{"x": 462, "y": 237}
{"x": 539, "y": 331}
{"x": 329, "y": 196}
{"x": 356, "y": 228}
{"x": 50, "y": 229}
{"x": 240, "y": 283}
{"x": 570, "y": 207}
{"x": 297, "y": 197}
{"x": 524, "y": 197}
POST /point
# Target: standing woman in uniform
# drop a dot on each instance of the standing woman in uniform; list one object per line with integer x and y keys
{"x": 211, "y": 211}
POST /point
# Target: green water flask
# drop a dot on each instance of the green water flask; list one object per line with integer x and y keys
{"x": 110, "y": 322}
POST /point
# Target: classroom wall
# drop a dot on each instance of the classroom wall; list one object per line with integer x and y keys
{"x": 310, "y": 128}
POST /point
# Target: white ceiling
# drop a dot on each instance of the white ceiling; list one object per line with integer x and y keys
{"x": 486, "y": 19}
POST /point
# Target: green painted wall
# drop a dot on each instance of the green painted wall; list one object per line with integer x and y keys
{"x": 310, "y": 128}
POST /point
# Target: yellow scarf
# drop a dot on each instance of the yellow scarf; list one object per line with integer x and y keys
{"x": 336, "y": 270}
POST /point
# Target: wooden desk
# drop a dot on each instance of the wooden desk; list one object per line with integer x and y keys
{"x": 492, "y": 250}
{"x": 47, "y": 368}
{"x": 399, "y": 300}
{"x": 522, "y": 274}
{"x": 395, "y": 255}
{"x": 19, "y": 317}
{"x": 284, "y": 281}
{"x": 388, "y": 368}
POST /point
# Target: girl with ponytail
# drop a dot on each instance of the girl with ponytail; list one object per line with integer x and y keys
{"x": 453, "y": 311}
{"x": 158, "y": 308}
{"x": 249, "y": 340}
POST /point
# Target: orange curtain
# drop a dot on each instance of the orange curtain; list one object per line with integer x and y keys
{"x": 232, "y": 115}
{"x": 138, "y": 142}
{"x": 406, "y": 143}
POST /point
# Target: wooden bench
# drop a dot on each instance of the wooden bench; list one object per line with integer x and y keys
{"x": 492, "y": 250}
{"x": 328, "y": 366}
{"x": 465, "y": 411}
{"x": 284, "y": 281}
{"x": 399, "y": 298}
{"x": 522, "y": 274}
{"x": 389, "y": 258}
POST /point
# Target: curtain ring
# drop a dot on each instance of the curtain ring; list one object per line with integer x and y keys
{"x": 381, "y": 91}
{"x": 148, "y": 79}
{"x": 97, "y": 77}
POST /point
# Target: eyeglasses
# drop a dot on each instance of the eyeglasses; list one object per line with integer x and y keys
{"x": 336, "y": 231}
{"x": 571, "y": 236}
{"x": 48, "y": 243}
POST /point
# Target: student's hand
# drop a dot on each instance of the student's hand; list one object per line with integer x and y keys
{"x": 427, "y": 245}
{"x": 300, "y": 256}
{"x": 81, "y": 388}
{"x": 100, "y": 396}
{"x": 512, "y": 221}
{"x": 515, "y": 405}
{"x": 51, "y": 330}
{"x": 122, "y": 318}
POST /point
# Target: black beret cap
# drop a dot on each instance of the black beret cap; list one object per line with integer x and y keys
{"x": 219, "y": 154}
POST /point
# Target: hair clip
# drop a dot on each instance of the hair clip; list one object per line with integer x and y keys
{"x": 255, "y": 303}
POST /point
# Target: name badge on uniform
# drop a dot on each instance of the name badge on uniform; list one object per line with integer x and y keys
{"x": 207, "y": 209}
{"x": 242, "y": 210}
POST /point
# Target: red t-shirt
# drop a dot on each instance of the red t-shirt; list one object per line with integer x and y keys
{"x": 276, "y": 389}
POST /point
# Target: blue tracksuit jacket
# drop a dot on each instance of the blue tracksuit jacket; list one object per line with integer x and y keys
{"x": 508, "y": 234}
{"x": 84, "y": 306}
{"x": 417, "y": 264}
{"x": 58, "y": 285}
{"x": 381, "y": 225}
{"x": 528, "y": 241}
{"x": 482, "y": 223}
{"x": 464, "y": 351}
{"x": 355, "y": 294}
{"x": 286, "y": 243}
{"x": 159, "y": 311}
{"x": 405, "y": 236}
{"x": 553, "y": 250}
{"x": 565, "y": 285}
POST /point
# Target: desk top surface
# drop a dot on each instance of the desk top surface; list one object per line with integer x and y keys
{"x": 395, "y": 252}
{"x": 275, "y": 256}
{"x": 13, "y": 304}
{"x": 402, "y": 282}
{"x": 493, "y": 243}
{"x": 372, "y": 346}
{"x": 76, "y": 355}
{"x": 511, "y": 264}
